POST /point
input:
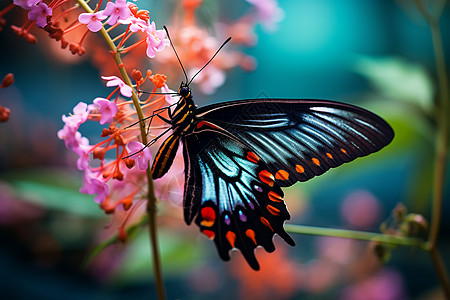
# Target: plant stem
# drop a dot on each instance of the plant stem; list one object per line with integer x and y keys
{"x": 151, "y": 204}
{"x": 357, "y": 235}
{"x": 442, "y": 134}
{"x": 441, "y": 156}
{"x": 441, "y": 113}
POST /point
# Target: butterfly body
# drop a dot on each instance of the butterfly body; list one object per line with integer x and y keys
{"x": 239, "y": 154}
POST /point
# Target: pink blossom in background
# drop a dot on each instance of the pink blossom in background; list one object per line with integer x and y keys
{"x": 269, "y": 13}
{"x": 93, "y": 20}
{"x": 39, "y": 14}
{"x": 385, "y": 285}
{"x": 337, "y": 250}
{"x": 361, "y": 209}
{"x": 209, "y": 79}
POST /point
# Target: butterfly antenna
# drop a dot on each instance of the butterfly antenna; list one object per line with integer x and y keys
{"x": 176, "y": 54}
{"x": 156, "y": 93}
{"x": 223, "y": 44}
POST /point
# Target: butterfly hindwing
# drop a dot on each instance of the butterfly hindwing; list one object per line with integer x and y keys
{"x": 300, "y": 139}
{"x": 231, "y": 194}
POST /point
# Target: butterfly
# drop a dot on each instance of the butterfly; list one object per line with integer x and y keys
{"x": 239, "y": 154}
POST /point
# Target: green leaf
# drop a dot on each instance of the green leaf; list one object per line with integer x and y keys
{"x": 398, "y": 79}
{"x": 54, "y": 189}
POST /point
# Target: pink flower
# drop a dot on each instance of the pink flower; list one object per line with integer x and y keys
{"x": 156, "y": 40}
{"x": 92, "y": 185}
{"x": 269, "y": 13}
{"x": 117, "y": 11}
{"x": 125, "y": 90}
{"x": 106, "y": 108}
{"x": 93, "y": 20}
{"x": 140, "y": 154}
{"x": 79, "y": 116}
{"x": 136, "y": 24}
{"x": 83, "y": 149}
{"x": 39, "y": 14}
{"x": 25, "y": 4}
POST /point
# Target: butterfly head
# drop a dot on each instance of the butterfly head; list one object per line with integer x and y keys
{"x": 184, "y": 90}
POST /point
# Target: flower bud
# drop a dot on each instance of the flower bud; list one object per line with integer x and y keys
{"x": 4, "y": 114}
{"x": 7, "y": 80}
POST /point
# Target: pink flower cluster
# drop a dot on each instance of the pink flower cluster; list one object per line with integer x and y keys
{"x": 38, "y": 11}
{"x": 114, "y": 170}
{"x": 123, "y": 12}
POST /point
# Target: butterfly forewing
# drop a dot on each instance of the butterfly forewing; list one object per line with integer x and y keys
{"x": 299, "y": 139}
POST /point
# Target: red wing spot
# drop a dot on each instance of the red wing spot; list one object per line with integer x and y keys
{"x": 299, "y": 169}
{"x": 273, "y": 210}
{"x": 343, "y": 151}
{"x": 231, "y": 237}
{"x": 275, "y": 197}
{"x": 207, "y": 124}
{"x": 282, "y": 175}
{"x": 329, "y": 155}
{"x": 210, "y": 234}
{"x": 316, "y": 161}
{"x": 251, "y": 235}
{"x": 208, "y": 216}
{"x": 266, "y": 223}
{"x": 266, "y": 177}
{"x": 251, "y": 156}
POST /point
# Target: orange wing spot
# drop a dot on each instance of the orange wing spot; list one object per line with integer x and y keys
{"x": 343, "y": 151}
{"x": 231, "y": 237}
{"x": 251, "y": 235}
{"x": 329, "y": 155}
{"x": 208, "y": 216}
{"x": 275, "y": 197}
{"x": 316, "y": 161}
{"x": 282, "y": 175}
{"x": 299, "y": 169}
{"x": 265, "y": 222}
{"x": 273, "y": 210}
{"x": 251, "y": 156}
{"x": 210, "y": 234}
{"x": 266, "y": 177}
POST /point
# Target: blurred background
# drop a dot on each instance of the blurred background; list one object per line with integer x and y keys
{"x": 376, "y": 54}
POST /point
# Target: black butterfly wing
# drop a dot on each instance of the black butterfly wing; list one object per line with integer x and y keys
{"x": 299, "y": 139}
{"x": 229, "y": 194}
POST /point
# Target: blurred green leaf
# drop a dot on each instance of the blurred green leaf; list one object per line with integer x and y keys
{"x": 54, "y": 189}
{"x": 398, "y": 79}
{"x": 178, "y": 255}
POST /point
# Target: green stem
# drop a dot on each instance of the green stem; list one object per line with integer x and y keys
{"x": 151, "y": 204}
{"x": 357, "y": 235}
{"x": 442, "y": 134}
{"x": 441, "y": 156}
{"x": 441, "y": 113}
